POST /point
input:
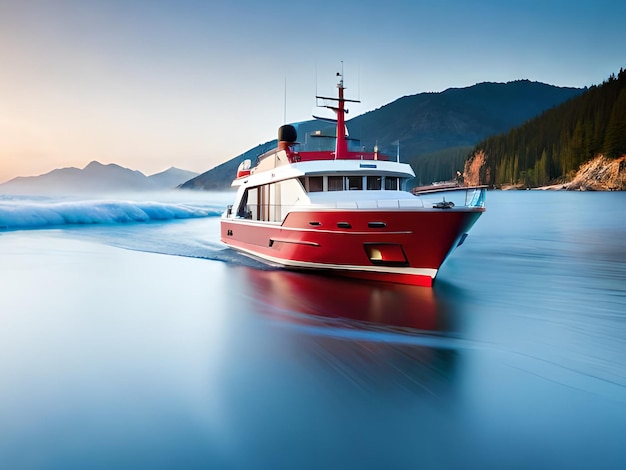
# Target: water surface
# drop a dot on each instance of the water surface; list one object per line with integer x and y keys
{"x": 147, "y": 344}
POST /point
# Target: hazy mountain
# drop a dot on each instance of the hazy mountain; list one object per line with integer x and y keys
{"x": 172, "y": 177}
{"x": 94, "y": 178}
{"x": 428, "y": 126}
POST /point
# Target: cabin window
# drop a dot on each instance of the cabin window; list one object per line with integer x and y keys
{"x": 287, "y": 194}
{"x": 270, "y": 202}
{"x": 242, "y": 210}
{"x": 391, "y": 183}
{"x": 260, "y": 210}
{"x": 316, "y": 184}
{"x": 249, "y": 207}
{"x": 374, "y": 183}
{"x": 335, "y": 183}
{"x": 271, "y": 194}
{"x": 355, "y": 183}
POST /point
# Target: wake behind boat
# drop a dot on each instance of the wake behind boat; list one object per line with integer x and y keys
{"x": 328, "y": 205}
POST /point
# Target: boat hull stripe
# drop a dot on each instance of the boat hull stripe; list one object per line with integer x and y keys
{"x": 429, "y": 272}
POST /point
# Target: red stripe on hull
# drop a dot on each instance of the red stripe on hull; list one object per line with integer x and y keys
{"x": 320, "y": 239}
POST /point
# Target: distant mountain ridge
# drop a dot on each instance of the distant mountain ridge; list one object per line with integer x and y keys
{"x": 434, "y": 131}
{"x": 172, "y": 177}
{"x": 96, "y": 178}
{"x": 429, "y": 122}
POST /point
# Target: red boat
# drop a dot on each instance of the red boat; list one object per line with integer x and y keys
{"x": 328, "y": 205}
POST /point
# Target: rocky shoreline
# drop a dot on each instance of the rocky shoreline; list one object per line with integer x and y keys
{"x": 598, "y": 174}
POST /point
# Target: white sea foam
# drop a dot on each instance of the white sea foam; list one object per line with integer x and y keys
{"x": 30, "y": 213}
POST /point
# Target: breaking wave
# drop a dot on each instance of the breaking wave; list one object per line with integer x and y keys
{"x": 36, "y": 213}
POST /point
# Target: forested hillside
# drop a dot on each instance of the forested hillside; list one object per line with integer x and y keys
{"x": 552, "y": 146}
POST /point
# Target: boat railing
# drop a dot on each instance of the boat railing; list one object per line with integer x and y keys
{"x": 460, "y": 196}
{"x": 266, "y": 213}
{"x": 309, "y": 156}
{"x": 277, "y": 212}
{"x": 445, "y": 199}
{"x": 475, "y": 197}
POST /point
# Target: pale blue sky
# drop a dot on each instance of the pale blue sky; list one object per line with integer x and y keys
{"x": 149, "y": 84}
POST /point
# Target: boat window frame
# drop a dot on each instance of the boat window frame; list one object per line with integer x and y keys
{"x": 249, "y": 206}
{"x": 313, "y": 188}
{"x": 377, "y": 180}
{"x": 336, "y": 179}
{"x": 356, "y": 180}
{"x": 391, "y": 187}
{"x": 372, "y": 182}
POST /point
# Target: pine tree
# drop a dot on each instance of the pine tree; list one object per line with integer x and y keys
{"x": 615, "y": 138}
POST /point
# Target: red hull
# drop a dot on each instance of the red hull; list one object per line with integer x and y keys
{"x": 406, "y": 247}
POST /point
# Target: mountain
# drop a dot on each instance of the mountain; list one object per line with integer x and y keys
{"x": 172, "y": 178}
{"x": 552, "y": 147}
{"x": 429, "y": 122}
{"x": 94, "y": 178}
{"x": 433, "y": 130}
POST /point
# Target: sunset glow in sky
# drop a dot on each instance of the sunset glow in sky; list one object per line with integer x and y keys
{"x": 150, "y": 84}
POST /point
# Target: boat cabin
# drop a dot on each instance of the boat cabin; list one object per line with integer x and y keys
{"x": 293, "y": 176}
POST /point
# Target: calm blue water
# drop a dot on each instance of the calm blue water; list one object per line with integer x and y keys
{"x": 144, "y": 343}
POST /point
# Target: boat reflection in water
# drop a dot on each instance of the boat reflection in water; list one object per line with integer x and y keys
{"x": 384, "y": 304}
{"x": 377, "y": 335}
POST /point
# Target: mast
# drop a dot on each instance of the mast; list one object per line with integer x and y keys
{"x": 341, "y": 143}
{"x": 341, "y": 147}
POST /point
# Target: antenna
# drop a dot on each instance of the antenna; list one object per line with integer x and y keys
{"x": 341, "y": 75}
{"x": 285, "y": 103}
{"x": 358, "y": 83}
{"x": 316, "y": 93}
